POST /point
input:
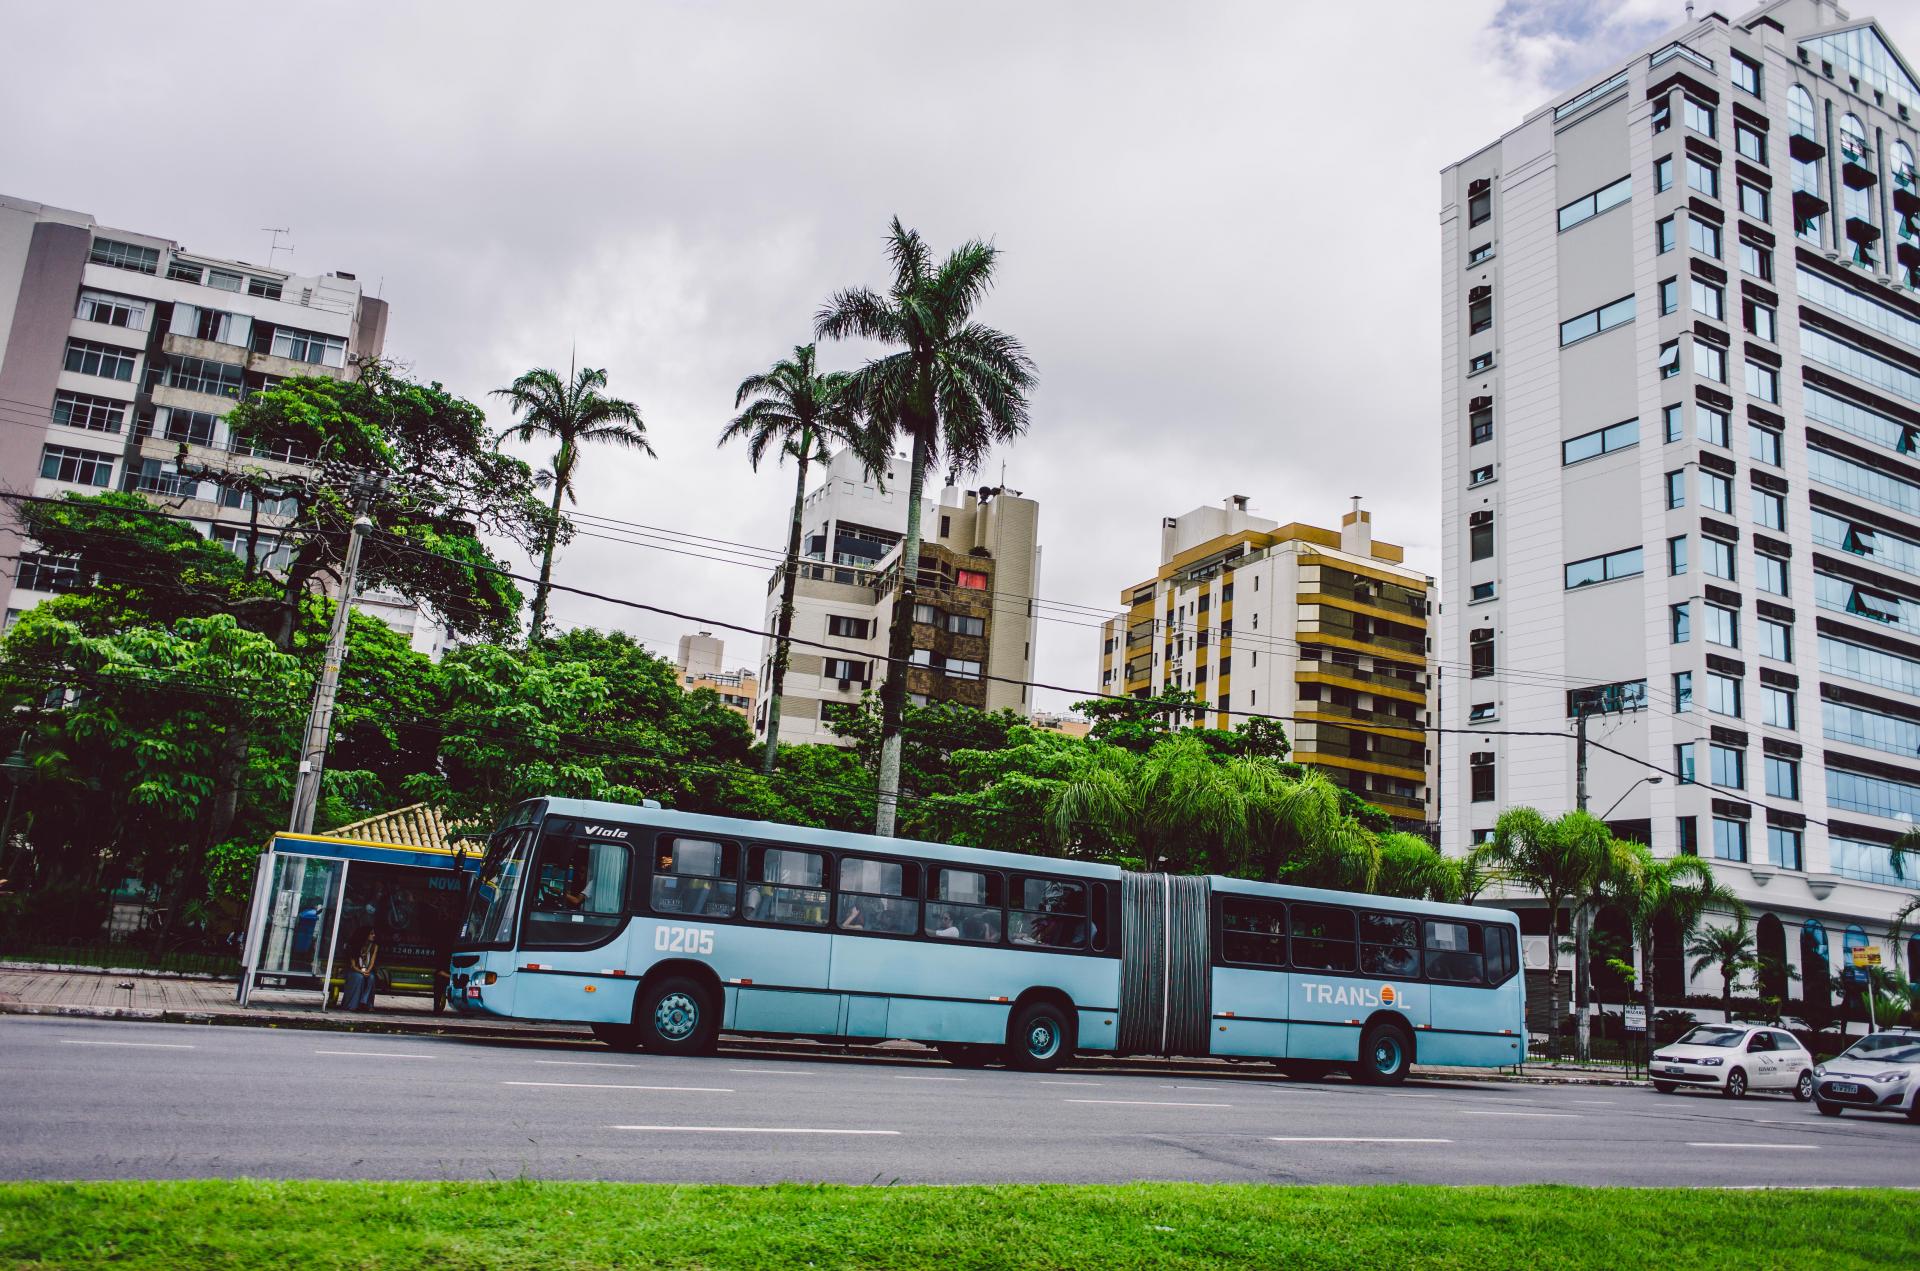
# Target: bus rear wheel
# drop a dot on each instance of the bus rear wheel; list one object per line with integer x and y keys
{"x": 1386, "y": 1054}
{"x": 1040, "y": 1038}
{"x": 677, "y": 1016}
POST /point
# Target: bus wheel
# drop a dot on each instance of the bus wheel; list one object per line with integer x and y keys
{"x": 619, "y": 1036}
{"x": 677, "y": 1018}
{"x": 1386, "y": 1053}
{"x": 963, "y": 1056}
{"x": 1039, "y": 1039}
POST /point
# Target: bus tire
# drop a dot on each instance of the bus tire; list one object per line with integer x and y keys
{"x": 1039, "y": 1038}
{"x": 965, "y": 1056}
{"x": 619, "y": 1036}
{"x": 677, "y": 1016}
{"x": 1386, "y": 1055}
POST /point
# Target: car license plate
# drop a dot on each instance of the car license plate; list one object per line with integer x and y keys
{"x": 1845, "y": 1087}
{"x": 1673, "y": 1068}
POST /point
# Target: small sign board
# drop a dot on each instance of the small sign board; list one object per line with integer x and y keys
{"x": 1636, "y": 1019}
{"x": 1866, "y": 957}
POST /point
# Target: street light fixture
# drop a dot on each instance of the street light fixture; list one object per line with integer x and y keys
{"x": 1644, "y": 781}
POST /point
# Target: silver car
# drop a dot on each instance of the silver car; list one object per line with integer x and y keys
{"x": 1878, "y": 1073}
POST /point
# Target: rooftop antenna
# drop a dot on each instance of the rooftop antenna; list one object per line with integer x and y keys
{"x": 276, "y": 231}
{"x": 1689, "y": 10}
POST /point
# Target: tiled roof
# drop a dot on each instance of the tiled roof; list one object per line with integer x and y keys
{"x": 420, "y": 825}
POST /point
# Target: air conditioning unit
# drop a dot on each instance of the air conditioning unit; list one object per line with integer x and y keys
{"x": 1533, "y": 952}
{"x": 846, "y": 685}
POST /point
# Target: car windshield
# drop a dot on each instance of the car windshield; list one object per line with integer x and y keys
{"x": 1713, "y": 1035}
{"x": 1892, "y": 1048}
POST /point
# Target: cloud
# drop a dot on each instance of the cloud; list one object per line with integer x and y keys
{"x": 1557, "y": 43}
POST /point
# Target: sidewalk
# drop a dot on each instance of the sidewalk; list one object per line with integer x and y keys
{"x": 92, "y": 994}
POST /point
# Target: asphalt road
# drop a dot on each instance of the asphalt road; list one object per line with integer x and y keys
{"x": 96, "y": 1099}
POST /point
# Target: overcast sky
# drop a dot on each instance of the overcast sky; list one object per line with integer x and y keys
{"x": 1218, "y": 223}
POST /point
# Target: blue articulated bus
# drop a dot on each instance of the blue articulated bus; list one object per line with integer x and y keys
{"x": 662, "y": 929}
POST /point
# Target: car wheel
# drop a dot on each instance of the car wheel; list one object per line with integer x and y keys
{"x": 962, "y": 1056}
{"x": 1386, "y": 1055}
{"x": 677, "y": 1017}
{"x": 1803, "y": 1088}
{"x": 1040, "y": 1038}
{"x": 1736, "y": 1087}
{"x": 1302, "y": 1069}
{"x": 619, "y": 1036}
{"x": 1663, "y": 1087}
{"x": 1828, "y": 1109}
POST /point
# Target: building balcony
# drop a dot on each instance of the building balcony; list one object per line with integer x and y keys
{"x": 1339, "y": 675}
{"x": 1805, "y": 148}
{"x": 1359, "y": 717}
{"x": 1344, "y": 636}
{"x": 1855, "y": 172}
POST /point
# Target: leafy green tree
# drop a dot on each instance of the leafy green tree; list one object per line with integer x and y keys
{"x": 574, "y": 413}
{"x": 954, "y": 388}
{"x": 1678, "y": 890}
{"x": 1730, "y": 950}
{"x": 795, "y": 410}
{"x": 931, "y": 736}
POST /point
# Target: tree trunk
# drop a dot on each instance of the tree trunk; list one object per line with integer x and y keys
{"x": 783, "y": 629}
{"x": 893, "y": 693}
{"x": 546, "y": 564}
{"x": 1646, "y": 984}
{"x": 1553, "y": 980}
{"x": 1583, "y": 982}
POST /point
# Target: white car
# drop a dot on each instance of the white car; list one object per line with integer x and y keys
{"x": 1878, "y": 1073}
{"x": 1733, "y": 1059}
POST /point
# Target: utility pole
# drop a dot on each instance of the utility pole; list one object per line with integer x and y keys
{"x": 313, "y": 754}
{"x": 1582, "y": 915}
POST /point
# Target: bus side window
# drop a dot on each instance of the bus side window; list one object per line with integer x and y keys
{"x": 1503, "y": 961}
{"x": 1454, "y": 952}
{"x": 1048, "y": 912}
{"x": 1322, "y": 938}
{"x": 695, "y": 877}
{"x": 1389, "y": 946}
{"x": 879, "y": 896}
{"x": 965, "y": 904}
{"x": 787, "y": 886}
{"x": 1253, "y": 932}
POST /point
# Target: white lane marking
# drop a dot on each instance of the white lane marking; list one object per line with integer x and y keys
{"x": 1152, "y": 1103}
{"x": 744, "y": 1129}
{"x": 142, "y": 1045}
{"x": 774, "y": 1072}
{"x": 1069, "y": 1083}
{"x": 583, "y": 1063}
{"x": 1764, "y": 1147}
{"x": 904, "y": 1077}
{"x": 1563, "y": 1115}
{"x": 375, "y": 1054}
{"x": 1303, "y": 1138}
{"x": 1590, "y": 1101}
{"x": 1413, "y": 1096}
{"x": 600, "y": 1085}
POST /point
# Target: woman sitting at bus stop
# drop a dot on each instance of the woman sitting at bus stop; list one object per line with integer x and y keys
{"x": 357, "y": 993}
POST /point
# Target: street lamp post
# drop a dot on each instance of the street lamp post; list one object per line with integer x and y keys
{"x": 1644, "y": 781}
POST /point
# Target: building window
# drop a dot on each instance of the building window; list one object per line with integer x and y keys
{"x": 108, "y": 361}
{"x": 1750, "y": 143}
{"x": 1717, "y": 559}
{"x": 1482, "y": 712}
{"x": 1663, "y": 235}
{"x": 1723, "y": 695}
{"x": 1683, "y": 690}
{"x": 1770, "y": 573}
{"x": 199, "y": 375}
{"x": 1480, "y": 315}
{"x": 1703, "y": 237}
{"x": 1699, "y": 117}
{"x": 1783, "y": 847}
{"x": 1716, "y": 491}
{"x": 1669, "y": 295}
{"x": 1480, "y": 535}
{"x": 1663, "y": 174}
{"x": 1774, "y": 640}
{"x": 1662, "y": 117}
{"x": 1763, "y": 382}
{"x": 1604, "y": 569}
{"x": 1674, "y": 417}
{"x": 1480, "y": 652}
{"x": 1676, "y": 489}
{"x": 1756, "y": 260}
{"x": 1687, "y": 835}
{"x": 1669, "y": 363}
{"x": 1679, "y": 623}
{"x": 1778, "y": 707}
{"x": 1753, "y": 201}
{"x": 1482, "y": 768}
{"x": 1712, "y": 426}
{"x": 1769, "y": 510}
{"x": 1481, "y": 362}
{"x": 860, "y": 628}
{"x": 1603, "y": 441}
{"x": 1729, "y": 839}
{"x": 1480, "y": 592}
{"x": 1481, "y": 253}
{"x": 225, "y": 279}
{"x": 81, "y": 467}
{"x": 1746, "y": 74}
{"x": 141, "y": 260}
{"x": 1594, "y": 321}
{"x": 1480, "y": 422}
{"x": 1601, "y": 200}
{"x": 848, "y": 670}
{"x": 1703, "y": 178}
{"x": 1728, "y": 766}
{"x": 1709, "y": 300}
{"x": 265, "y": 288}
{"x": 1480, "y": 475}
{"x": 113, "y": 311}
{"x": 1677, "y": 555}
{"x": 1683, "y": 770}
{"x": 43, "y": 571}
{"x": 1709, "y": 361}
{"x": 1763, "y": 445}
{"x": 1479, "y": 204}
{"x": 310, "y": 346}
{"x": 192, "y": 426}
{"x": 1721, "y": 626}
{"x": 1783, "y": 778}
{"x": 970, "y": 579}
{"x": 1759, "y": 321}
{"x": 84, "y": 410}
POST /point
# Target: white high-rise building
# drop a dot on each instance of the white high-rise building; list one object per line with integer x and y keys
{"x": 1681, "y": 404}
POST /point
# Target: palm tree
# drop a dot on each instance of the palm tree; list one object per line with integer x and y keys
{"x": 1679, "y": 889}
{"x": 1556, "y": 860}
{"x": 1728, "y": 948}
{"x": 574, "y": 413}
{"x": 1615, "y": 858}
{"x": 794, "y": 410}
{"x": 954, "y": 388}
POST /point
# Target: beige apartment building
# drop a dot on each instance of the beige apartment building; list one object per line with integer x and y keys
{"x": 701, "y": 663}
{"x": 1324, "y": 630}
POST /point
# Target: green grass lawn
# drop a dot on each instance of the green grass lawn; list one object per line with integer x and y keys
{"x": 565, "y": 1225}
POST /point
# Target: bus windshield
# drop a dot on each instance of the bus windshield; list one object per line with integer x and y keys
{"x": 496, "y": 892}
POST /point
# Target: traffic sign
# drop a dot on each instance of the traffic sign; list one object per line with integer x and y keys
{"x": 1636, "y": 1019}
{"x": 1866, "y": 957}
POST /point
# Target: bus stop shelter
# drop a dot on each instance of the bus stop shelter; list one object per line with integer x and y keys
{"x": 400, "y": 876}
